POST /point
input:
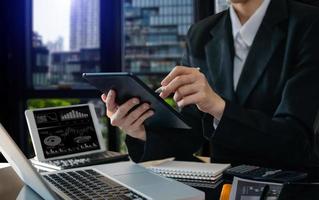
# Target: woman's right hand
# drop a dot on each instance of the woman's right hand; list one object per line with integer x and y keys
{"x": 131, "y": 122}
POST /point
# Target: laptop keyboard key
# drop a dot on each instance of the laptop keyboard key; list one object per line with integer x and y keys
{"x": 89, "y": 184}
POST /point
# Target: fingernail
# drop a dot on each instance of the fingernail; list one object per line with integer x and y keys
{"x": 162, "y": 95}
{"x": 146, "y": 106}
{"x": 135, "y": 101}
{"x": 152, "y": 112}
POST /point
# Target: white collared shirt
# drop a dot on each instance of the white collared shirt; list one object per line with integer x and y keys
{"x": 244, "y": 36}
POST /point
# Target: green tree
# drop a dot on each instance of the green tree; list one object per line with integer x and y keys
{"x": 44, "y": 103}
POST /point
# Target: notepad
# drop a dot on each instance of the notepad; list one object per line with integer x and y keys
{"x": 190, "y": 170}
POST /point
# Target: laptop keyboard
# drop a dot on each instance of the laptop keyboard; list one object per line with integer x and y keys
{"x": 90, "y": 184}
{"x": 87, "y": 160}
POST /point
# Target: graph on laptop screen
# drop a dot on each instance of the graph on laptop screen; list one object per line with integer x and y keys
{"x": 66, "y": 131}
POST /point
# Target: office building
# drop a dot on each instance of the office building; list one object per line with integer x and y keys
{"x": 40, "y": 61}
{"x": 67, "y": 67}
{"x": 84, "y": 24}
{"x": 155, "y": 33}
{"x": 55, "y": 46}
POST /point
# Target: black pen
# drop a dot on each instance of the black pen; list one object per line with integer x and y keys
{"x": 264, "y": 193}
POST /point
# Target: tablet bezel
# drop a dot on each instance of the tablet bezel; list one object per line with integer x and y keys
{"x": 36, "y": 142}
{"x": 92, "y": 76}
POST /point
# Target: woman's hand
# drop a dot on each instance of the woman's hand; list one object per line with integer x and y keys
{"x": 131, "y": 122}
{"x": 190, "y": 86}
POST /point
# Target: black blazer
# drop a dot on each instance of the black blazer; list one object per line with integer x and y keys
{"x": 269, "y": 119}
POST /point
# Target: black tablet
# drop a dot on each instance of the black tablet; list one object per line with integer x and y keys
{"x": 127, "y": 86}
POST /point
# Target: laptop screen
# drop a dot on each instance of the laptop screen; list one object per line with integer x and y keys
{"x": 65, "y": 131}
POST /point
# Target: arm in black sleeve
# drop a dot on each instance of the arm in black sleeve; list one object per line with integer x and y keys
{"x": 178, "y": 143}
{"x": 165, "y": 142}
{"x": 135, "y": 148}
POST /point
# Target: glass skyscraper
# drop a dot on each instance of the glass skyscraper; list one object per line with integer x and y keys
{"x": 84, "y": 24}
{"x": 155, "y": 33}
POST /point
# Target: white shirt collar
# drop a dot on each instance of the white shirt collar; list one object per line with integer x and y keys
{"x": 249, "y": 30}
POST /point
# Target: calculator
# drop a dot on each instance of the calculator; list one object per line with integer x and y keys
{"x": 263, "y": 174}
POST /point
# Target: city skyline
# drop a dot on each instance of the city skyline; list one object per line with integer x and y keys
{"x": 51, "y": 20}
{"x": 154, "y": 39}
{"x": 65, "y": 43}
{"x": 76, "y": 22}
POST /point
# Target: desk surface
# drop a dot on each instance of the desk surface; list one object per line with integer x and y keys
{"x": 10, "y": 184}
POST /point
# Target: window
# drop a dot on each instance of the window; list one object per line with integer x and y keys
{"x": 70, "y": 37}
{"x": 65, "y": 41}
{"x": 155, "y": 34}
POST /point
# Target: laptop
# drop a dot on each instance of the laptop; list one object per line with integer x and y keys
{"x": 67, "y": 137}
{"x": 122, "y": 180}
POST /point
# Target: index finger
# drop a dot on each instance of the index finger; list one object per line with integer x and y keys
{"x": 177, "y": 71}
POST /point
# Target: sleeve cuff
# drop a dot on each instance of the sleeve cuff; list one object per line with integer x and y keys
{"x": 135, "y": 148}
{"x": 216, "y": 122}
{"x": 211, "y": 125}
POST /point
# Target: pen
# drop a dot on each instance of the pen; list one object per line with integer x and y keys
{"x": 160, "y": 89}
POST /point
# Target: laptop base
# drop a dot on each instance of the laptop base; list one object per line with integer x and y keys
{"x": 80, "y": 161}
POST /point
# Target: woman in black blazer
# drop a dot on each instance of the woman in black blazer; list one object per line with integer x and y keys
{"x": 267, "y": 121}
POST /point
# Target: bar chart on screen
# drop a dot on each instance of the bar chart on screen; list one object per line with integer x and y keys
{"x": 74, "y": 115}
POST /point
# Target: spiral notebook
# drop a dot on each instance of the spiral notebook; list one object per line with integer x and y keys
{"x": 191, "y": 173}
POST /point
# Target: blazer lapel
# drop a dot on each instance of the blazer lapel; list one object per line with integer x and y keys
{"x": 264, "y": 46}
{"x": 219, "y": 52}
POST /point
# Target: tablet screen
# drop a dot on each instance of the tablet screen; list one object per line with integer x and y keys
{"x": 65, "y": 131}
